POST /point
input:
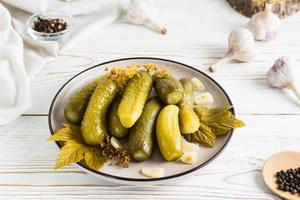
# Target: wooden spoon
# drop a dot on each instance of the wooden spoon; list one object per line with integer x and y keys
{"x": 280, "y": 161}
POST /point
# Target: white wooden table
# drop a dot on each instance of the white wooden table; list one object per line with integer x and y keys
{"x": 197, "y": 35}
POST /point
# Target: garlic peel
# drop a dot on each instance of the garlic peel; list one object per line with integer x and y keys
{"x": 241, "y": 47}
{"x": 264, "y": 25}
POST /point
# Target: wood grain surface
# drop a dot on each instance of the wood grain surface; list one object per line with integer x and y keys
{"x": 197, "y": 35}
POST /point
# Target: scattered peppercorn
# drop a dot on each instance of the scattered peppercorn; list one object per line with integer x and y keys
{"x": 49, "y": 25}
{"x": 289, "y": 180}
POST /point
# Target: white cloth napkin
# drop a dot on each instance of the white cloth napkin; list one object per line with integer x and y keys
{"x": 21, "y": 57}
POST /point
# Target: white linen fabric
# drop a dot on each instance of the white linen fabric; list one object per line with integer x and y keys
{"x": 21, "y": 57}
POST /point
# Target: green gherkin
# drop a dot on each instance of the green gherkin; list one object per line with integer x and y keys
{"x": 93, "y": 125}
{"x": 168, "y": 133}
{"x": 77, "y": 104}
{"x": 114, "y": 125}
{"x": 168, "y": 89}
{"x": 188, "y": 119}
{"x": 142, "y": 134}
{"x": 134, "y": 98}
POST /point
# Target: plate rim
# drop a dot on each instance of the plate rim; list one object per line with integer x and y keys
{"x": 109, "y": 176}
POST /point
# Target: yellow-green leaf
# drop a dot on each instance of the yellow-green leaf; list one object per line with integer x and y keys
{"x": 204, "y": 135}
{"x": 69, "y": 132}
{"x": 71, "y": 152}
{"x": 220, "y": 128}
{"x": 94, "y": 158}
{"x": 213, "y": 122}
{"x": 220, "y": 120}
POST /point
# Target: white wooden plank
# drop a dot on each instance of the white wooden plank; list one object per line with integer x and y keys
{"x": 26, "y": 166}
{"x": 245, "y": 83}
{"x": 197, "y": 35}
{"x": 198, "y": 32}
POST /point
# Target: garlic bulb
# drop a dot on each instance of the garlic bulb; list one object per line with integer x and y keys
{"x": 264, "y": 25}
{"x": 282, "y": 75}
{"x": 142, "y": 12}
{"x": 241, "y": 48}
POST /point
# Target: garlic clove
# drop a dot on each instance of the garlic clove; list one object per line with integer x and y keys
{"x": 190, "y": 157}
{"x": 142, "y": 12}
{"x": 190, "y": 152}
{"x": 188, "y": 146}
{"x": 197, "y": 84}
{"x": 241, "y": 47}
{"x": 203, "y": 98}
{"x": 115, "y": 143}
{"x": 152, "y": 172}
{"x": 282, "y": 75}
{"x": 264, "y": 25}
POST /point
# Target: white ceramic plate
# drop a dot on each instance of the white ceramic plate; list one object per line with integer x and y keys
{"x": 132, "y": 174}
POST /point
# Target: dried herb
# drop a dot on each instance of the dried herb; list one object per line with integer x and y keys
{"x": 213, "y": 122}
{"x": 115, "y": 154}
{"x": 121, "y": 75}
{"x": 75, "y": 150}
{"x": 158, "y": 71}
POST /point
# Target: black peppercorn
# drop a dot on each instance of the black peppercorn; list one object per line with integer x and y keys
{"x": 49, "y": 25}
{"x": 289, "y": 180}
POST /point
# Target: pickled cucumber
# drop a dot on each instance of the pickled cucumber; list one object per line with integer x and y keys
{"x": 93, "y": 125}
{"x": 142, "y": 133}
{"x": 168, "y": 89}
{"x": 134, "y": 97}
{"x": 188, "y": 119}
{"x": 77, "y": 104}
{"x": 168, "y": 133}
{"x": 114, "y": 126}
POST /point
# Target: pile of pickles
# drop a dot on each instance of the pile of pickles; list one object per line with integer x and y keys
{"x": 101, "y": 109}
